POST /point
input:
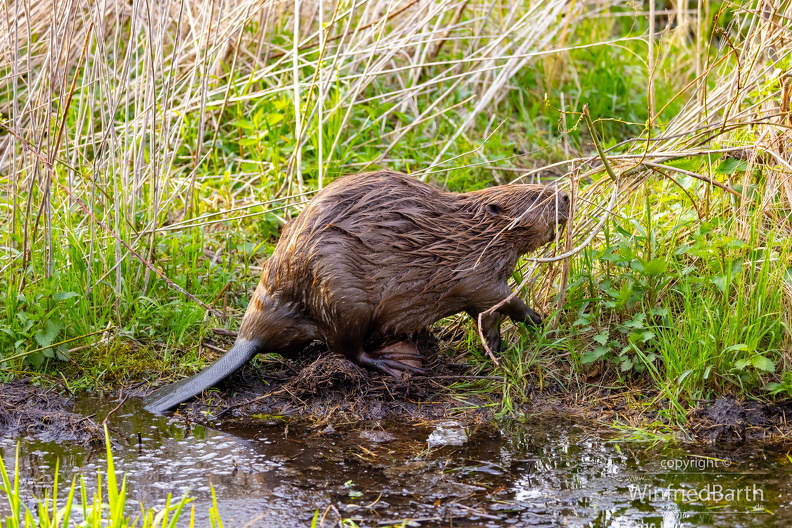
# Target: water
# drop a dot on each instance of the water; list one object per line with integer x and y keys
{"x": 277, "y": 472}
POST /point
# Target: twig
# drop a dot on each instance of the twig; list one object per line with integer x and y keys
{"x": 224, "y": 332}
{"x": 406, "y": 520}
{"x": 243, "y": 404}
{"x": 212, "y": 347}
{"x": 493, "y": 378}
{"x": 598, "y": 146}
{"x": 114, "y": 409}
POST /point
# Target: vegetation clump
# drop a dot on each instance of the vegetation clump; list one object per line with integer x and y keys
{"x": 150, "y": 155}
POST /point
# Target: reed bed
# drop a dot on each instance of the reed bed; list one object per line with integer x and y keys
{"x": 696, "y": 288}
{"x": 118, "y": 117}
{"x": 151, "y": 150}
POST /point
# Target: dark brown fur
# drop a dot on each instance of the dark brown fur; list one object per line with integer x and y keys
{"x": 374, "y": 259}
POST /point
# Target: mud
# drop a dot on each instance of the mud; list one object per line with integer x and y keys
{"x": 42, "y": 413}
{"x": 729, "y": 420}
{"x": 328, "y": 389}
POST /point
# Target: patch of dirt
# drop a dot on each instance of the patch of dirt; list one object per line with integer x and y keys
{"x": 329, "y": 391}
{"x": 327, "y": 387}
{"x": 726, "y": 420}
{"x": 29, "y": 410}
{"x": 729, "y": 420}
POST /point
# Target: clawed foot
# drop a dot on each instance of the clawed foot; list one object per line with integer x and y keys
{"x": 397, "y": 359}
{"x": 533, "y": 318}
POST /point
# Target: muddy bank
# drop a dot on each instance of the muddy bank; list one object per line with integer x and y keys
{"x": 28, "y": 410}
{"x": 728, "y": 419}
{"x": 270, "y": 472}
{"x": 328, "y": 390}
{"x": 725, "y": 420}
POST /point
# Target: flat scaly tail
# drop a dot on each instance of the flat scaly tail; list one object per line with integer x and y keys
{"x": 170, "y": 396}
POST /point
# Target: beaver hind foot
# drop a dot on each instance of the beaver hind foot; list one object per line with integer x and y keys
{"x": 397, "y": 359}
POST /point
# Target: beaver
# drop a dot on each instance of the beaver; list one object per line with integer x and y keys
{"x": 374, "y": 259}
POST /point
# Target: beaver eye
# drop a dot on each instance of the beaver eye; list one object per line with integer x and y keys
{"x": 494, "y": 209}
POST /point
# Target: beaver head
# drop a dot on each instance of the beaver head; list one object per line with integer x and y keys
{"x": 527, "y": 215}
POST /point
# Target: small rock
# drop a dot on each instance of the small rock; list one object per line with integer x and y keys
{"x": 448, "y": 434}
{"x": 329, "y": 429}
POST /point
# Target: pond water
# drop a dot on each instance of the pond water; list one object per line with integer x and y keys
{"x": 277, "y": 472}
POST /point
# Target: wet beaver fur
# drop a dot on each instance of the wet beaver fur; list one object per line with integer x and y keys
{"x": 376, "y": 258}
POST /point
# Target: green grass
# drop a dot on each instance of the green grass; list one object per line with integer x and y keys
{"x": 186, "y": 149}
{"x": 107, "y": 507}
{"x": 693, "y": 308}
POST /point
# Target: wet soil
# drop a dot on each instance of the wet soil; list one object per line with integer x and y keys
{"x": 27, "y": 410}
{"x": 283, "y": 441}
{"x": 328, "y": 388}
{"x": 729, "y": 420}
{"x": 325, "y": 388}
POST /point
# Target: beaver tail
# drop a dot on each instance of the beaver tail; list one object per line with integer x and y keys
{"x": 170, "y": 396}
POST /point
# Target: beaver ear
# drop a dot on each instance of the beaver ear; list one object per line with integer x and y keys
{"x": 494, "y": 209}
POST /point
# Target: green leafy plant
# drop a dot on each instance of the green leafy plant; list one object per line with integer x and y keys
{"x": 40, "y": 320}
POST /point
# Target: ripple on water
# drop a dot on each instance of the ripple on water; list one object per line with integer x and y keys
{"x": 548, "y": 472}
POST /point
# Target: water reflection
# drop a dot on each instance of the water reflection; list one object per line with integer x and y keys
{"x": 270, "y": 472}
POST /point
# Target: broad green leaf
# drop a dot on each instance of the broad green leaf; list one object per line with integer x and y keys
{"x": 773, "y": 388}
{"x": 654, "y": 267}
{"x": 274, "y": 119}
{"x": 594, "y": 355}
{"x": 720, "y": 282}
{"x": 646, "y": 336}
{"x": 62, "y": 296}
{"x": 609, "y": 255}
{"x": 730, "y": 166}
{"x": 582, "y": 320}
{"x": 46, "y": 336}
{"x": 602, "y": 337}
{"x": 763, "y": 363}
{"x": 626, "y": 365}
{"x": 244, "y": 124}
{"x": 689, "y": 164}
{"x": 637, "y": 321}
